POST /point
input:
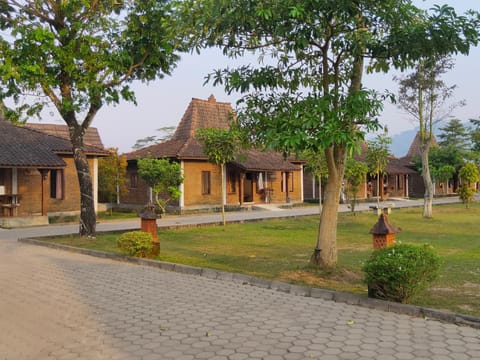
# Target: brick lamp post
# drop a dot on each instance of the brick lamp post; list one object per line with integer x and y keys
{"x": 149, "y": 225}
{"x": 383, "y": 232}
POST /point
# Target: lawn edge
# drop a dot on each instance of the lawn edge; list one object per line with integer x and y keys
{"x": 296, "y": 290}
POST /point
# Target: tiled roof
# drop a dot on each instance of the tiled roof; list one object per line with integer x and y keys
{"x": 24, "y": 147}
{"x": 91, "y": 137}
{"x": 394, "y": 166}
{"x": 400, "y": 166}
{"x": 202, "y": 114}
{"x": 255, "y": 160}
{"x": 414, "y": 149}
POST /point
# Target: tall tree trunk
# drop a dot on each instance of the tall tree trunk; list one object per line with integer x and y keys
{"x": 325, "y": 253}
{"x": 224, "y": 182}
{"x": 427, "y": 181}
{"x": 88, "y": 218}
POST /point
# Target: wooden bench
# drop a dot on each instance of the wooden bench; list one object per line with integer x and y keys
{"x": 386, "y": 208}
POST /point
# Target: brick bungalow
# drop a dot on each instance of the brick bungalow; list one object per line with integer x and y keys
{"x": 38, "y": 178}
{"x": 256, "y": 177}
{"x": 395, "y": 182}
{"x": 417, "y": 188}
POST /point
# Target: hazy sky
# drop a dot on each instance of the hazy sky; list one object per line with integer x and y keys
{"x": 163, "y": 102}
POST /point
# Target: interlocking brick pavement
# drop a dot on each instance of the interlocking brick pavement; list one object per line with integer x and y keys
{"x": 61, "y": 305}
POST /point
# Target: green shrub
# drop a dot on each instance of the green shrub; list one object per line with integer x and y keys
{"x": 466, "y": 194}
{"x": 398, "y": 272}
{"x": 136, "y": 243}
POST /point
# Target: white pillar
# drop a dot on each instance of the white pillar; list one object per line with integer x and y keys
{"x": 301, "y": 184}
{"x": 224, "y": 184}
{"x": 406, "y": 186}
{"x": 95, "y": 183}
{"x": 181, "y": 201}
{"x": 14, "y": 181}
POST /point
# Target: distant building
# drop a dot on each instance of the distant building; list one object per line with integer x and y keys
{"x": 255, "y": 177}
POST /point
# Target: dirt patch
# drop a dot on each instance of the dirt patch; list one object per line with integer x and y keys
{"x": 338, "y": 279}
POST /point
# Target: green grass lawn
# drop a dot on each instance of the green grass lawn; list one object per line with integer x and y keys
{"x": 280, "y": 249}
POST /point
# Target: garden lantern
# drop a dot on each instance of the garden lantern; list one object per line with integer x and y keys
{"x": 149, "y": 224}
{"x": 383, "y": 232}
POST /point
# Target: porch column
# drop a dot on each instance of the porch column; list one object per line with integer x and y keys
{"x": 287, "y": 175}
{"x": 224, "y": 184}
{"x": 181, "y": 201}
{"x": 241, "y": 190}
{"x": 44, "y": 173}
{"x": 406, "y": 186}
{"x": 95, "y": 184}
{"x": 14, "y": 181}
{"x": 301, "y": 184}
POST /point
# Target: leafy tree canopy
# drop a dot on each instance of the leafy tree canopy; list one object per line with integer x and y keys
{"x": 306, "y": 91}
{"x": 78, "y": 55}
{"x": 220, "y": 145}
{"x": 111, "y": 175}
{"x": 163, "y": 176}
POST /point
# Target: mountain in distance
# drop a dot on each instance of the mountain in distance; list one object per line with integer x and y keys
{"x": 401, "y": 142}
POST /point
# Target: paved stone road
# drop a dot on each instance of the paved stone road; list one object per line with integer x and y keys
{"x": 60, "y": 305}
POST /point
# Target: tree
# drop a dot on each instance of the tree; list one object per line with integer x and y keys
{"x": 163, "y": 177}
{"x": 454, "y": 134}
{"x": 442, "y": 174}
{"x": 469, "y": 175}
{"x": 306, "y": 92}
{"x": 77, "y": 56}
{"x": 355, "y": 172}
{"x": 377, "y": 159}
{"x": 474, "y": 132}
{"x": 422, "y": 95}
{"x": 316, "y": 164}
{"x": 221, "y": 147}
{"x": 111, "y": 176}
{"x": 166, "y": 133}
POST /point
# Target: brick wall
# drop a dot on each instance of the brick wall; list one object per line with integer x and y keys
{"x": 30, "y": 190}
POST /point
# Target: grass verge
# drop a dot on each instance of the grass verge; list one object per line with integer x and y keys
{"x": 280, "y": 249}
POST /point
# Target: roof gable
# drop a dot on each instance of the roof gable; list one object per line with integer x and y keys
{"x": 414, "y": 150}
{"x": 202, "y": 114}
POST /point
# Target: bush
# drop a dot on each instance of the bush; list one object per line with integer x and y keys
{"x": 136, "y": 243}
{"x": 466, "y": 194}
{"x": 398, "y": 272}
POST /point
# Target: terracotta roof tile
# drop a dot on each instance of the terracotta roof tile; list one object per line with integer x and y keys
{"x": 201, "y": 114}
{"x": 414, "y": 149}
{"x": 24, "y": 147}
{"x": 384, "y": 227}
{"x": 255, "y": 160}
{"x": 91, "y": 137}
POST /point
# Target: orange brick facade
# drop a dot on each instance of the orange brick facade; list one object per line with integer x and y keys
{"x": 241, "y": 187}
{"x": 29, "y": 189}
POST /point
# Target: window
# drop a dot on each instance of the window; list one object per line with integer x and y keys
{"x": 399, "y": 182}
{"x": 232, "y": 182}
{"x": 133, "y": 180}
{"x": 56, "y": 184}
{"x": 284, "y": 181}
{"x": 205, "y": 182}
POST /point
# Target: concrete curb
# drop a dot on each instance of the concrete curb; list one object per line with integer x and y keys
{"x": 297, "y": 290}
